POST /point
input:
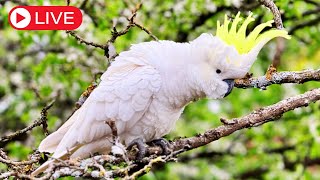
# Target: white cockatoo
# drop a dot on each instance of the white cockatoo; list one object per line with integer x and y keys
{"x": 147, "y": 87}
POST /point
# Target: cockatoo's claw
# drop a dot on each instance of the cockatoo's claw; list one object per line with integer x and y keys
{"x": 164, "y": 144}
{"x": 141, "y": 147}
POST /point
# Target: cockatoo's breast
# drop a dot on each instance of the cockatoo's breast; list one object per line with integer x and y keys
{"x": 171, "y": 60}
{"x": 158, "y": 120}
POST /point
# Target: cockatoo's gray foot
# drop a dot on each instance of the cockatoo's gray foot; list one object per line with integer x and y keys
{"x": 164, "y": 144}
{"x": 141, "y": 147}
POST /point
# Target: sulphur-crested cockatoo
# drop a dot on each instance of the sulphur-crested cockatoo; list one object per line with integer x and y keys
{"x": 147, "y": 87}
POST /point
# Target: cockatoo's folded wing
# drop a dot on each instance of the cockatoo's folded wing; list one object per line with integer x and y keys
{"x": 123, "y": 95}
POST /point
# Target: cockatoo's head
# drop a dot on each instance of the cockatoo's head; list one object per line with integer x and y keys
{"x": 230, "y": 54}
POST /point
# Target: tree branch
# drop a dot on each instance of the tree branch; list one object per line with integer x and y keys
{"x": 275, "y": 11}
{"x": 298, "y": 77}
{"x": 83, "y": 41}
{"x": 256, "y": 118}
{"x": 115, "y": 33}
{"x": 41, "y": 121}
{"x": 4, "y": 159}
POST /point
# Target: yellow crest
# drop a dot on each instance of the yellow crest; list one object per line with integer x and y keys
{"x": 237, "y": 36}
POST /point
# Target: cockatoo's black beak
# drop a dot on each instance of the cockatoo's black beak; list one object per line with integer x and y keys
{"x": 230, "y": 83}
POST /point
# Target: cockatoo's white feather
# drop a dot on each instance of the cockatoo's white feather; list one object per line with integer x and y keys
{"x": 145, "y": 91}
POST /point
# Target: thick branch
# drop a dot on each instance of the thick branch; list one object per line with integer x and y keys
{"x": 256, "y": 118}
{"x": 279, "y": 78}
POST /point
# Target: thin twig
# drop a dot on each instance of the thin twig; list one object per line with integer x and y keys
{"x": 146, "y": 168}
{"x": 81, "y": 40}
{"x": 41, "y": 121}
{"x": 147, "y": 31}
{"x": 115, "y": 33}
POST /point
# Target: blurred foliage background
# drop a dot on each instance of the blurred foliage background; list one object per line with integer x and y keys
{"x": 39, "y": 66}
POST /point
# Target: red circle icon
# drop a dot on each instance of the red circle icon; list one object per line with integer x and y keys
{"x": 20, "y": 17}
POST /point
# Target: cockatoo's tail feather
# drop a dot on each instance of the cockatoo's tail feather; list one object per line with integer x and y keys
{"x": 237, "y": 37}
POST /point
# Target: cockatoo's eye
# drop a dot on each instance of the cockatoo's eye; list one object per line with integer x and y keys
{"x": 218, "y": 71}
